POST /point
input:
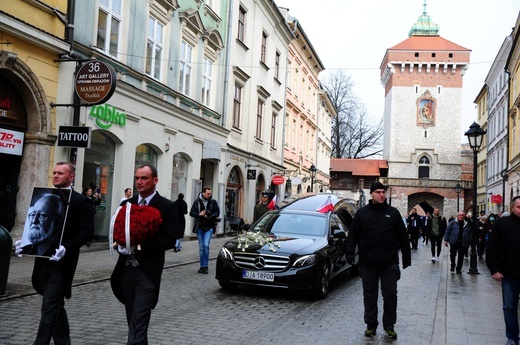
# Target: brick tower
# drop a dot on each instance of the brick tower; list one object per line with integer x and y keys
{"x": 422, "y": 77}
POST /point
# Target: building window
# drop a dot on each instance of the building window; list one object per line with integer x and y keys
{"x": 206, "y": 81}
{"x": 273, "y": 131}
{"x": 263, "y": 49}
{"x": 259, "y": 119}
{"x": 237, "y": 105}
{"x": 424, "y": 167}
{"x": 241, "y": 24}
{"x": 277, "y": 65}
{"x": 416, "y": 54}
{"x": 450, "y": 55}
{"x": 185, "y": 68}
{"x": 154, "y": 48}
{"x": 109, "y": 20}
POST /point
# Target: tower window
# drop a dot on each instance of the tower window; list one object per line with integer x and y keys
{"x": 424, "y": 167}
{"x": 416, "y": 54}
{"x": 450, "y": 55}
{"x": 425, "y": 134}
{"x": 433, "y": 54}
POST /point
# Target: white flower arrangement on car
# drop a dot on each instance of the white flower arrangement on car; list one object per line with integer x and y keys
{"x": 260, "y": 238}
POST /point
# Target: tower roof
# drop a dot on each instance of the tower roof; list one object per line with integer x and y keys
{"x": 424, "y": 25}
{"x": 429, "y": 43}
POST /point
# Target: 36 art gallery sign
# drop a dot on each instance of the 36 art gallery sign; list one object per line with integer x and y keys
{"x": 95, "y": 82}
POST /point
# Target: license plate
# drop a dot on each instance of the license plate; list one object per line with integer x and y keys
{"x": 263, "y": 276}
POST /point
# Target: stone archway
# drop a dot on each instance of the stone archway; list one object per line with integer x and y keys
{"x": 38, "y": 141}
{"x": 425, "y": 201}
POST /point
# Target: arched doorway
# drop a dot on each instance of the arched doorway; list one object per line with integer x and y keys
{"x": 179, "y": 175}
{"x": 259, "y": 187}
{"x": 98, "y": 173}
{"x": 233, "y": 193}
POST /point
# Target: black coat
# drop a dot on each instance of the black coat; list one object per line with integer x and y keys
{"x": 151, "y": 256}
{"x": 182, "y": 209}
{"x": 502, "y": 254}
{"x": 379, "y": 232}
{"x": 79, "y": 228}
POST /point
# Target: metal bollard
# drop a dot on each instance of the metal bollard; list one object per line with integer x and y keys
{"x": 6, "y": 243}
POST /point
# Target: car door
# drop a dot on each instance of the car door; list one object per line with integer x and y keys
{"x": 337, "y": 243}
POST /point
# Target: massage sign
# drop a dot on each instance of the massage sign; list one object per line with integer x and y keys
{"x": 95, "y": 82}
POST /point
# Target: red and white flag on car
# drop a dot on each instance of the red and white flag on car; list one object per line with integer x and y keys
{"x": 326, "y": 206}
{"x": 272, "y": 204}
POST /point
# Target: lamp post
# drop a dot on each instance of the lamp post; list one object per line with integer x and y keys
{"x": 475, "y": 136}
{"x": 503, "y": 173}
{"x": 312, "y": 171}
{"x": 458, "y": 189}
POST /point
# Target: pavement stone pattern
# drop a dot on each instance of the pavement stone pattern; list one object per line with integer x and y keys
{"x": 435, "y": 306}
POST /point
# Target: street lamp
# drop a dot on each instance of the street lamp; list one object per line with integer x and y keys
{"x": 312, "y": 171}
{"x": 475, "y": 136}
{"x": 458, "y": 189}
{"x": 503, "y": 173}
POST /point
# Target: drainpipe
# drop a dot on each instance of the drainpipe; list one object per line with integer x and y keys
{"x": 227, "y": 63}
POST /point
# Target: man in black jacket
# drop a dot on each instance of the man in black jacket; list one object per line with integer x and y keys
{"x": 52, "y": 278}
{"x": 379, "y": 232}
{"x": 503, "y": 261}
{"x": 137, "y": 276}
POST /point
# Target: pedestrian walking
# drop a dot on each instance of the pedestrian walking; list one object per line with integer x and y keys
{"x": 137, "y": 275}
{"x": 437, "y": 230}
{"x": 182, "y": 209}
{"x": 379, "y": 233}
{"x": 426, "y": 227}
{"x": 458, "y": 235}
{"x": 503, "y": 261}
{"x": 205, "y": 210}
{"x": 413, "y": 222}
{"x": 52, "y": 278}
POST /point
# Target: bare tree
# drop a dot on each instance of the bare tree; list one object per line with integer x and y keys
{"x": 353, "y": 135}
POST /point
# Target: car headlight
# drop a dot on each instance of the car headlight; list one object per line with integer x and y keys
{"x": 305, "y": 260}
{"x": 226, "y": 254}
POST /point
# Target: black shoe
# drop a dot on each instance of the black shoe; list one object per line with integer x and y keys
{"x": 205, "y": 271}
{"x": 452, "y": 269}
{"x": 175, "y": 249}
{"x": 391, "y": 333}
{"x": 370, "y": 331}
{"x": 201, "y": 270}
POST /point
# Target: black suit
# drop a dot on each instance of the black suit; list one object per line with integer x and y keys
{"x": 138, "y": 287}
{"x": 53, "y": 280}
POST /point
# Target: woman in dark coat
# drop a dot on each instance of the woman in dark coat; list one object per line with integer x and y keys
{"x": 182, "y": 208}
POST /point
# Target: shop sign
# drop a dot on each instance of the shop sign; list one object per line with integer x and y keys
{"x": 278, "y": 179}
{"x": 11, "y": 142}
{"x": 74, "y": 136}
{"x": 251, "y": 174}
{"x": 95, "y": 82}
{"x": 106, "y": 115}
{"x": 496, "y": 199}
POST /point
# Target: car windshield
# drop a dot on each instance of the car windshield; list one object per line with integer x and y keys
{"x": 293, "y": 225}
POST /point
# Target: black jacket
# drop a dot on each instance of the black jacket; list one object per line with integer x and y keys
{"x": 502, "y": 251}
{"x": 379, "y": 232}
{"x": 204, "y": 223}
{"x": 151, "y": 256}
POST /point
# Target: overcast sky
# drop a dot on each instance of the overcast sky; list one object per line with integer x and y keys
{"x": 354, "y": 35}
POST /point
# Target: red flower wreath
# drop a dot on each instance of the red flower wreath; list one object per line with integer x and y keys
{"x": 144, "y": 223}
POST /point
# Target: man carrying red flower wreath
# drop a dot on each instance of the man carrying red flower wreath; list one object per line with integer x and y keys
{"x": 137, "y": 276}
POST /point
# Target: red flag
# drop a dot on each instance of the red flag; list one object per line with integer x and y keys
{"x": 272, "y": 204}
{"x": 326, "y": 206}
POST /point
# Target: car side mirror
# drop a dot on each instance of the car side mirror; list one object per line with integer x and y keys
{"x": 246, "y": 226}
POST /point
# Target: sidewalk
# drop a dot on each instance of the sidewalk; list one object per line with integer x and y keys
{"x": 96, "y": 263}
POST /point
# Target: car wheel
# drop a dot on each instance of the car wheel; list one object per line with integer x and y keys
{"x": 227, "y": 285}
{"x": 322, "y": 288}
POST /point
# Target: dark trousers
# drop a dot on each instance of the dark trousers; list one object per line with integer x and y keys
{"x": 53, "y": 321}
{"x": 414, "y": 237}
{"x": 370, "y": 276}
{"x": 457, "y": 251}
{"x": 436, "y": 242}
{"x": 139, "y": 296}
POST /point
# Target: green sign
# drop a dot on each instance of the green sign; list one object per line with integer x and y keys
{"x": 106, "y": 115}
